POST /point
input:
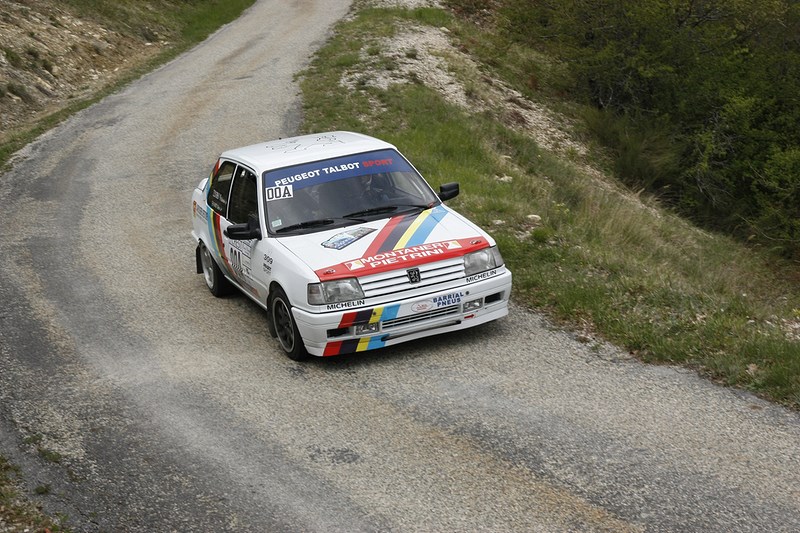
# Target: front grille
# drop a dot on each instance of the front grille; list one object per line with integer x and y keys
{"x": 395, "y": 281}
{"x": 420, "y": 317}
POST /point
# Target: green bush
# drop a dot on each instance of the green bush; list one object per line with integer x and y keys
{"x": 697, "y": 100}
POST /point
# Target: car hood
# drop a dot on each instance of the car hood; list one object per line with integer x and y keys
{"x": 402, "y": 241}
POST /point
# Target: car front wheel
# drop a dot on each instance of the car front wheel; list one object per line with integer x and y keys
{"x": 285, "y": 326}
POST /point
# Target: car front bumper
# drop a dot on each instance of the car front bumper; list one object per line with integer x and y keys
{"x": 340, "y": 332}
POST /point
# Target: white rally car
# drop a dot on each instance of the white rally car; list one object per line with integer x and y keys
{"x": 344, "y": 244}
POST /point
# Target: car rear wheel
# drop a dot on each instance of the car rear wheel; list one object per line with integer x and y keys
{"x": 217, "y": 283}
{"x": 285, "y": 326}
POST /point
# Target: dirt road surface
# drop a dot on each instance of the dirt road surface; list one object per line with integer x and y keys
{"x": 145, "y": 404}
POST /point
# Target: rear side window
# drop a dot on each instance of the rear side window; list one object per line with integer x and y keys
{"x": 220, "y": 189}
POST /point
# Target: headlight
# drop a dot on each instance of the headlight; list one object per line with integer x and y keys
{"x": 340, "y": 290}
{"x": 482, "y": 260}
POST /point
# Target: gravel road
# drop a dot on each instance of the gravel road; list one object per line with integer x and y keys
{"x": 146, "y": 404}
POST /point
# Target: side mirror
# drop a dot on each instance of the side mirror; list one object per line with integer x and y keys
{"x": 448, "y": 191}
{"x": 246, "y": 231}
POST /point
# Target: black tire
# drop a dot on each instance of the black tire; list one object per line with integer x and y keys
{"x": 280, "y": 313}
{"x": 217, "y": 283}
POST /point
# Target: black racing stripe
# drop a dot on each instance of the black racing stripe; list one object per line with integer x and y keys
{"x": 363, "y": 317}
{"x": 348, "y": 346}
{"x": 397, "y": 232}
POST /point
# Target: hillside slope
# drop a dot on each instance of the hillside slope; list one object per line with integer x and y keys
{"x": 51, "y": 57}
{"x": 608, "y": 261}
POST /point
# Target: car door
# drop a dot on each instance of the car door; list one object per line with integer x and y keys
{"x": 241, "y": 254}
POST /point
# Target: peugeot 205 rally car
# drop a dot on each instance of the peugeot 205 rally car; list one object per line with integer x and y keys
{"x": 344, "y": 244}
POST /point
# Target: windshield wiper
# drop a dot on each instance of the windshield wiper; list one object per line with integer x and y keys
{"x": 384, "y": 209}
{"x": 306, "y": 224}
{"x": 416, "y": 206}
{"x": 372, "y": 211}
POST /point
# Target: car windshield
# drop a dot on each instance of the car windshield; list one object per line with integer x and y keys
{"x": 347, "y": 190}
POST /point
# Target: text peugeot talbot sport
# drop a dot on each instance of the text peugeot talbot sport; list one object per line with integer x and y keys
{"x": 344, "y": 244}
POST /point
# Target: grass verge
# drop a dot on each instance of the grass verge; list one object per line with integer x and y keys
{"x": 598, "y": 257}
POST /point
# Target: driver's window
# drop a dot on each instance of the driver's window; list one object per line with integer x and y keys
{"x": 244, "y": 197}
{"x": 220, "y": 188}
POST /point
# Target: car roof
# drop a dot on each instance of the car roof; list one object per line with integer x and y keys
{"x": 304, "y": 149}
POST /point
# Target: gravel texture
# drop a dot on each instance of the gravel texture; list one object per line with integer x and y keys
{"x": 170, "y": 409}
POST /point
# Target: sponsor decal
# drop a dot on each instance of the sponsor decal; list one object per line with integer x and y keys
{"x": 344, "y": 239}
{"x": 278, "y": 193}
{"x": 422, "y": 306}
{"x": 378, "y": 163}
{"x": 344, "y": 305}
{"x": 337, "y": 168}
{"x": 399, "y": 256}
{"x": 341, "y": 168}
{"x": 199, "y": 210}
{"x": 324, "y": 171}
{"x": 446, "y": 300}
{"x": 483, "y": 275}
{"x": 404, "y": 258}
{"x": 238, "y": 263}
{"x": 243, "y": 247}
{"x": 297, "y": 177}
